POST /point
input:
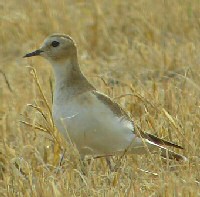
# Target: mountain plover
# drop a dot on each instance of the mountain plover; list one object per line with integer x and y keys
{"x": 94, "y": 123}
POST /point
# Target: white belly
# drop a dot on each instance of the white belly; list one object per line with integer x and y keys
{"x": 92, "y": 126}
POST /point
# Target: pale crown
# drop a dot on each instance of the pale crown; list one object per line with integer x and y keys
{"x": 58, "y": 48}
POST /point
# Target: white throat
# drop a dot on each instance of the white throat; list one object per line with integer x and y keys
{"x": 62, "y": 71}
{"x": 69, "y": 81}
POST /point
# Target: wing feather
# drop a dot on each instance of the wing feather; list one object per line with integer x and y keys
{"x": 118, "y": 111}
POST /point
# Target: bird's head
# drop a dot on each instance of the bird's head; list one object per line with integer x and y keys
{"x": 56, "y": 48}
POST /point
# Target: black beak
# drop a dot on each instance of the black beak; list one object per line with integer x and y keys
{"x": 34, "y": 53}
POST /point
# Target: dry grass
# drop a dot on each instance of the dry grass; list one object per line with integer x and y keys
{"x": 143, "y": 53}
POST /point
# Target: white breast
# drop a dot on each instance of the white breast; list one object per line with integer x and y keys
{"x": 92, "y": 126}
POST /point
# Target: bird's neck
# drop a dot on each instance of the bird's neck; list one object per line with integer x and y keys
{"x": 69, "y": 80}
{"x": 66, "y": 72}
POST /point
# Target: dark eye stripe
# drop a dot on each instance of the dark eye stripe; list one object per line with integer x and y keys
{"x": 55, "y": 43}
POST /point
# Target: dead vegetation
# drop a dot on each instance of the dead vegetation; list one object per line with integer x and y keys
{"x": 144, "y": 54}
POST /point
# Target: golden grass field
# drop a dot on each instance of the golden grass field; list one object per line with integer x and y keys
{"x": 145, "y": 54}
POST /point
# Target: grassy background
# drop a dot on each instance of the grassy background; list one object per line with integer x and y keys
{"x": 143, "y": 53}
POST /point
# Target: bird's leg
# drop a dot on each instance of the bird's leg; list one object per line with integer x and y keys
{"x": 109, "y": 163}
{"x": 59, "y": 167}
{"x": 85, "y": 162}
{"x": 62, "y": 157}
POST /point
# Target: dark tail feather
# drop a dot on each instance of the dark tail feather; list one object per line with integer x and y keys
{"x": 159, "y": 141}
{"x": 166, "y": 153}
{"x": 172, "y": 155}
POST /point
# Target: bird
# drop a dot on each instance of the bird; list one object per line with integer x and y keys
{"x": 91, "y": 120}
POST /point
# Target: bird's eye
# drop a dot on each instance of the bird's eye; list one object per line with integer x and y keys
{"x": 55, "y": 43}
